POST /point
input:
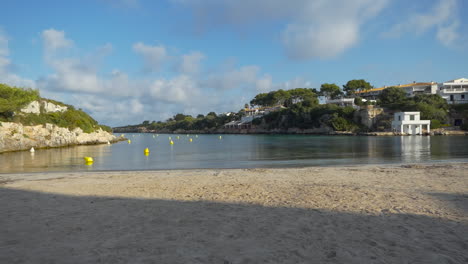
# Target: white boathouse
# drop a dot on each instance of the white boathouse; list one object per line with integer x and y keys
{"x": 410, "y": 123}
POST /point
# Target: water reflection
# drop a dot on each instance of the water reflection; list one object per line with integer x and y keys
{"x": 415, "y": 148}
{"x": 54, "y": 159}
{"x": 238, "y": 151}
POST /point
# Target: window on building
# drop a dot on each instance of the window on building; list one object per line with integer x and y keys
{"x": 462, "y": 96}
{"x": 399, "y": 118}
{"x": 411, "y": 117}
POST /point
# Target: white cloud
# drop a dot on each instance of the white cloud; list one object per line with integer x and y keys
{"x": 314, "y": 29}
{"x": 325, "y": 29}
{"x": 448, "y": 34}
{"x": 180, "y": 89}
{"x": 55, "y": 40}
{"x": 443, "y": 17}
{"x": 153, "y": 56}
{"x": 190, "y": 63}
{"x": 232, "y": 78}
{"x": 264, "y": 84}
{"x": 114, "y": 98}
{"x": 7, "y": 74}
{"x": 305, "y": 41}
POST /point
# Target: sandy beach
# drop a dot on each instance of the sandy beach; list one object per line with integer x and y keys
{"x": 356, "y": 214}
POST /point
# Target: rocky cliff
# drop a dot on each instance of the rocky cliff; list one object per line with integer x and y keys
{"x": 15, "y": 136}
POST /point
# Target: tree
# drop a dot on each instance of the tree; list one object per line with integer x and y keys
{"x": 392, "y": 96}
{"x": 179, "y": 117}
{"x": 212, "y": 114}
{"x": 330, "y": 90}
{"x": 356, "y": 85}
{"x": 298, "y": 95}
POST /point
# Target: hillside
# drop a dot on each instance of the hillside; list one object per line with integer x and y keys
{"x": 298, "y": 111}
{"x": 27, "y": 107}
{"x": 28, "y": 120}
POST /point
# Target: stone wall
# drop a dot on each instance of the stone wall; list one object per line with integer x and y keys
{"x": 14, "y": 136}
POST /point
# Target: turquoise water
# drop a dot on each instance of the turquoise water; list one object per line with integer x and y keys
{"x": 240, "y": 151}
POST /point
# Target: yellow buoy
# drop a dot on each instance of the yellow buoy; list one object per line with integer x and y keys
{"x": 129, "y": 141}
{"x": 146, "y": 151}
{"x": 172, "y": 142}
{"x": 88, "y": 160}
{"x": 190, "y": 139}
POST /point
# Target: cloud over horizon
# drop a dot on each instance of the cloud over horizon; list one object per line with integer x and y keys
{"x": 443, "y": 17}
{"x": 314, "y": 29}
{"x": 118, "y": 99}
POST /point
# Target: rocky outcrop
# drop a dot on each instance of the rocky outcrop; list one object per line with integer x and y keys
{"x": 47, "y": 107}
{"x": 14, "y": 136}
{"x": 369, "y": 116}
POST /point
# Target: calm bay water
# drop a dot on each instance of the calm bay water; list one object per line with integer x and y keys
{"x": 239, "y": 151}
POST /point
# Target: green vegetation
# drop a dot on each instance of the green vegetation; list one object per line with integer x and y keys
{"x": 187, "y": 122}
{"x": 353, "y": 86}
{"x": 12, "y": 99}
{"x": 285, "y": 98}
{"x": 330, "y": 90}
{"x": 299, "y": 108}
{"x": 432, "y": 106}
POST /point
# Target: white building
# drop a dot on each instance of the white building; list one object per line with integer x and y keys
{"x": 455, "y": 91}
{"x": 411, "y": 89}
{"x": 410, "y": 123}
{"x": 342, "y": 102}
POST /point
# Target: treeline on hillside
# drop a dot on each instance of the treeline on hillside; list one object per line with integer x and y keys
{"x": 302, "y": 110}
{"x": 13, "y": 99}
{"x": 187, "y": 122}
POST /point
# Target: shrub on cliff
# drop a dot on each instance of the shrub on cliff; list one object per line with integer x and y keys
{"x": 12, "y": 99}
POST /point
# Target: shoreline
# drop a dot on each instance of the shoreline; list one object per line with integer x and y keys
{"x": 434, "y": 132}
{"x": 349, "y": 214}
{"x": 337, "y": 166}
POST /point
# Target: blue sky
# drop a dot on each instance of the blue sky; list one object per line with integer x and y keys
{"x": 125, "y": 61}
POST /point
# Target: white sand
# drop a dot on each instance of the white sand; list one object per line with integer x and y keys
{"x": 372, "y": 214}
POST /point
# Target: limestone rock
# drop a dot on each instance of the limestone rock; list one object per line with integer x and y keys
{"x": 14, "y": 136}
{"x": 35, "y": 107}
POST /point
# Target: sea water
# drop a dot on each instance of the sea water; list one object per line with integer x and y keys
{"x": 239, "y": 151}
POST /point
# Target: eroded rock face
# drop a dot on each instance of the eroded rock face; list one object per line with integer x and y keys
{"x": 35, "y": 107}
{"x": 14, "y": 136}
{"x": 32, "y": 108}
{"x": 50, "y": 107}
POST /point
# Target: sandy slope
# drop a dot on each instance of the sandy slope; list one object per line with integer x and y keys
{"x": 371, "y": 214}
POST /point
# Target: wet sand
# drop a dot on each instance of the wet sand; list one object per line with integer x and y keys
{"x": 358, "y": 214}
